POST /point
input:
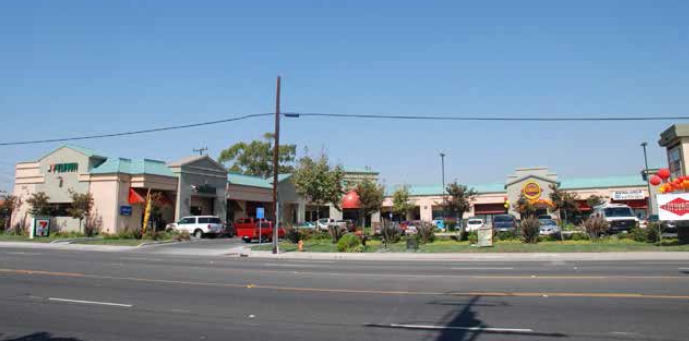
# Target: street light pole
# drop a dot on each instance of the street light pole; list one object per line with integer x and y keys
{"x": 276, "y": 154}
{"x": 648, "y": 183}
{"x": 442, "y": 161}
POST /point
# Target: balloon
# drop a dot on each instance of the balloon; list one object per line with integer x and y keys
{"x": 664, "y": 173}
{"x": 656, "y": 180}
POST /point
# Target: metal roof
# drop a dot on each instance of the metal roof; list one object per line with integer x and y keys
{"x": 429, "y": 190}
{"x": 133, "y": 166}
{"x": 248, "y": 180}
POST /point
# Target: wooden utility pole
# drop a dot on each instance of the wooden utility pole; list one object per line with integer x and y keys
{"x": 200, "y": 150}
{"x": 276, "y": 155}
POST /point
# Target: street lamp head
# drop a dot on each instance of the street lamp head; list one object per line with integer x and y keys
{"x": 644, "y": 144}
{"x": 442, "y": 154}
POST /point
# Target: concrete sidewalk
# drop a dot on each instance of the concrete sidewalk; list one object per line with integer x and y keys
{"x": 541, "y": 256}
{"x": 65, "y": 246}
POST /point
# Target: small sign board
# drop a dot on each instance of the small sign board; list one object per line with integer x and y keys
{"x": 485, "y": 236}
{"x": 41, "y": 227}
{"x": 260, "y": 213}
{"x": 126, "y": 210}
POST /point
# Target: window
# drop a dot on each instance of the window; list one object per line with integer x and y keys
{"x": 675, "y": 161}
{"x": 619, "y": 212}
{"x": 209, "y": 220}
{"x": 188, "y": 221}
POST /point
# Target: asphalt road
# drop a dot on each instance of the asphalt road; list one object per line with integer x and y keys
{"x": 48, "y": 295}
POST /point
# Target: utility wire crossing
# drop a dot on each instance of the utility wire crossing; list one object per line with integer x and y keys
{"x": 354, "y": 116}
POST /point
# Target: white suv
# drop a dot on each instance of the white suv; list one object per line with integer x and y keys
{"x": 198, "y": 225}
{"x": 620, "y": 217}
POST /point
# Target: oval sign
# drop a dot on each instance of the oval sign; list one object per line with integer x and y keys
{"x": 532, "y": 190}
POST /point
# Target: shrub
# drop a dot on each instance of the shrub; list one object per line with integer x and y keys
{"x": 548, "y": 238}
{"x": 181, "y": 236}
{"x": 291, "y": 233}
{"x": 504, "y": 235}
{"x": 579, "y": 236}
{"x": 336, "y": 231}
{"x": 450, "y": 225}
{"x": 595, "y": 226}
{"x": 389, "y": 233}
{"x": 472, "y": 237}
{"x": 349, "y": 243}
{"x": 638, "y": 234}
{"x": 652, "y": 234}
{"x": 682, "y": 233}
{"x": 426, "y": 232}
{"x": 529, "y": 228}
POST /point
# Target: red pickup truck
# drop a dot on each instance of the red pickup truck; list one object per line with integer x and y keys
{"x": 248, "y": 229}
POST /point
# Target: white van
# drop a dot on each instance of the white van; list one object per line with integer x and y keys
{"x": 620, "y": 217}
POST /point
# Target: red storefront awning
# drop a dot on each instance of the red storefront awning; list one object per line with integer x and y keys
{"x": 135, "y": 198}
{"x": 582, "y": 205}
{"x": 639, "y": 203}
{"x": 490, "y": 208}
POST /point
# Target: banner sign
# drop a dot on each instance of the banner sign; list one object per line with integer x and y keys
{"x": 636, "y": 194}
{"x": 673, "y": 206}
{"x": 485, "y": 236}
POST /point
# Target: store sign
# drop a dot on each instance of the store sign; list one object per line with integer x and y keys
{"x": 485, "y": 236}
{"x": 204, "y": 189}
{"x": 125, "y": 210}
{"x": 63, "y": 167}
{"x": 532, "y": 190}
{"x": 41, "y": 227}
{"x": 673, "y": 206}
{"x": 636, "y": 194}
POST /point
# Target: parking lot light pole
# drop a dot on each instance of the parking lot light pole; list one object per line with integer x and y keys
{"x": 648, "y": 183}
{"x": 442, "y": 162}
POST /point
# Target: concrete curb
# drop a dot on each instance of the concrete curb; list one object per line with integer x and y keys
{"x": 160, "y": 243}
{"x": 501, "y": 257}
{"x": 72, "y": 240}
{"x": 65, "y": 246}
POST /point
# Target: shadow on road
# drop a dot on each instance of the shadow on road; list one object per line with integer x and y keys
{"x": 41, "y": 336}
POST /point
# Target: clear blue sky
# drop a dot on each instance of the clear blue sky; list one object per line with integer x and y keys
{"x": 86, "y": 67}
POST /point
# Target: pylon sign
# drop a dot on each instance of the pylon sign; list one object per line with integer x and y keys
{"x": 673, "y": 206}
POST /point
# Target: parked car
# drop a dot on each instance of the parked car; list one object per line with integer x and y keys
{"x": 306, "y": 225}
{"x": 198, "y": 226}
{"x": 669, "y": 226}
{"x": 474, "y": 224}
{"x": 249, "y": 229}
{"x": 544, "y": 217}
{"x": 409, "y": 226}
{"x": 549, "y": 227}
{"x": 439, "y": 223}
{"x": 504, "y": 223}
{"x": 620, "y": 217}
{"x": 322, "y": 224}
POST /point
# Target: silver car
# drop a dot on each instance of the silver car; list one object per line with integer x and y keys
{"x": 549, "y": 227}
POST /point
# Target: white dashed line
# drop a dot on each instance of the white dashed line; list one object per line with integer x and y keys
{"x": 88, "y": 302}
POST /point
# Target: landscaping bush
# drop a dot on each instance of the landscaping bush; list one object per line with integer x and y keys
{"x": 181, "y": 236}
{"x": 291, "y": 233}
{"x": 349, "y": 243}
{"x": 549, "y": 238}
{"x": 638, "y": 234}
{"x": 426, "y": 232}
{"x": 504, "y": 235}
{"x": 652, "y": 234}
{"x": 336, "y": 231}
{"x": 595, "y": 226}
{"x": 682, "y": 232}
{"x": 450, "y": 225}
{"x": 579, "y": 236}
{"x": 389, "y": 233}
{"x": 529, "y": 228}
{"x": 472, "y": 237}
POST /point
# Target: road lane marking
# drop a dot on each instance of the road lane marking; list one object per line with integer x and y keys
{"x": 355, "y": 291}
{"x": 20, "y": 253}
{"x": 142, "y": 259}
{"x": 682, "y": 268}
{"x": 482, "y": 268}
{"x": 482, "y": 329}
{"x": 56, "y": 299}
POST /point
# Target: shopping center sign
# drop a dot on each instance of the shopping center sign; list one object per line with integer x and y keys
{"x": 673, "y": 206}
{"x": 636, "y": 194}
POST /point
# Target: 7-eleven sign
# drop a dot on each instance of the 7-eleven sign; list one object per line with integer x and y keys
{"x": 673, "y": 206}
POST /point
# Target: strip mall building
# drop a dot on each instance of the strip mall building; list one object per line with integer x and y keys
{"x": 200, "y": 186}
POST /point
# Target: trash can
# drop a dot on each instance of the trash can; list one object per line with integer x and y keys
{"x": 412, "y": 243}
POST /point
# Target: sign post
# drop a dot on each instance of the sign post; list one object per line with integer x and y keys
{"x": 260, "y": 214}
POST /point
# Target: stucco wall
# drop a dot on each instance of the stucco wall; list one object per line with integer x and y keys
{"x": 70, "y": 180}
{"x": 199, "y": 172}
{"x": 104, "y": 189}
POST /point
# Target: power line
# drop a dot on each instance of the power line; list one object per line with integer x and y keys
{"x": 363, "y": 116}
{"x": 135, "y": 132}
{"x": 498, "y": 118}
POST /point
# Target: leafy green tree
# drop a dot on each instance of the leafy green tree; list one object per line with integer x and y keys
{"x": 525, "y": 207}
{"x": 401, "y": 204}
{"x": 10, "y": 203}
{"x": 459, "y": 199}
{"x": 564, "y": 202}
{"x": 39, "y": 204}
{"x": 318, "y": 181}
{"x": 256, "y": 157}
{"x": 371, "y": 195}
{"x": 82, "y": 204}
{"x": 595, "y": 200}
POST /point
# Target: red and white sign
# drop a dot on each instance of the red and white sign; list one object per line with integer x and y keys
{"x": 673, "y": 206}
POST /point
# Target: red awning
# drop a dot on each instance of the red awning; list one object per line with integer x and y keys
{"x": 135, "y": 198}
{"x": 640, "y": 203}
{"x": 582, "y": 205}
{"x": 498, "y": 208}
{"x": 350, "y": 200}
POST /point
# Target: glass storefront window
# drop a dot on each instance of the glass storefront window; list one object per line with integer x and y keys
{"x": 675, "y": 161}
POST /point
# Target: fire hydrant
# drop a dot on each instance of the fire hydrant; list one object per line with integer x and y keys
{"x": 301, "y": 245}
